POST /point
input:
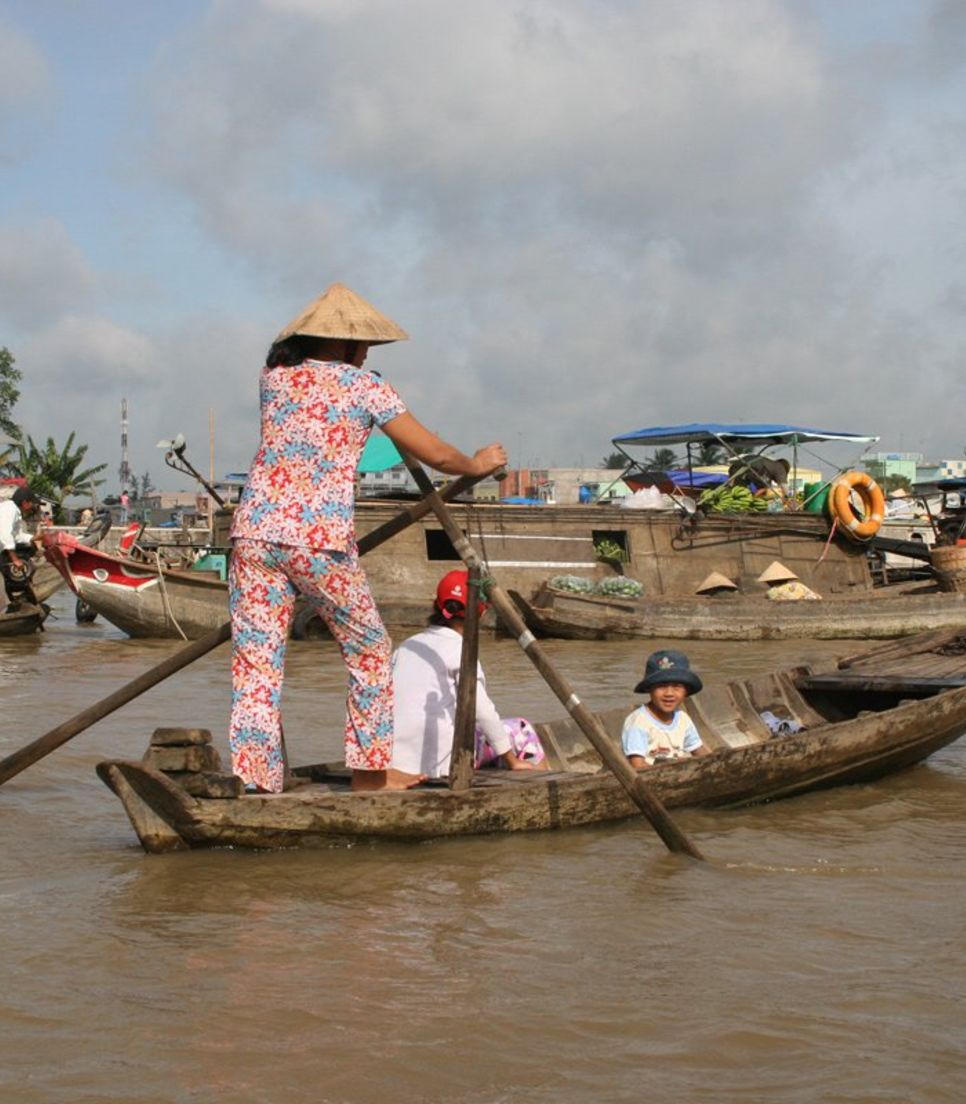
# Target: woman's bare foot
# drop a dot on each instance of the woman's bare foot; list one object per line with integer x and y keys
{"x": 367, "y": 781}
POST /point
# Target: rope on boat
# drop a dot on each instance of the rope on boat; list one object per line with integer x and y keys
{"x": 831, "y": 533}
{"x": 168, "y": 612}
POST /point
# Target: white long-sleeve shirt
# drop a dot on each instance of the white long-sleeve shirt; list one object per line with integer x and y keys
{"x": 426, "y": 671}
{"x": 12, "y": 529}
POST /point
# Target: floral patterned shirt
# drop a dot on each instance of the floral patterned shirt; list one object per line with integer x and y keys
{"x": 316, "y": 418}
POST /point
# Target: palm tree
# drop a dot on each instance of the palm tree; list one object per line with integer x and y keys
{"x": 614, "y": 460}
{"x": 709, "y": 453}
{"x": 54, "y": 473}
{"x": 9, "y": 392}
{"x": 662, "y": 460}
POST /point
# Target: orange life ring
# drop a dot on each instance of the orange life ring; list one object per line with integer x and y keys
{"x": 873, "y": 504}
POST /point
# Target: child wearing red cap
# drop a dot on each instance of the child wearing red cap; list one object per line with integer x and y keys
{"x": 425, "y": 677}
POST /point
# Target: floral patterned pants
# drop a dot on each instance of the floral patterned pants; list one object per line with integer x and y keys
{"x": 264, "y": 580}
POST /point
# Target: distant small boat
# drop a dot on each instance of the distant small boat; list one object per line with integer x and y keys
{"x": 859, "y": 722}
{"x": 149, "y": 600}
{"x": 141, "y": 599}
{"x": 872, "y": 615}
{"x": 25, "y": 619}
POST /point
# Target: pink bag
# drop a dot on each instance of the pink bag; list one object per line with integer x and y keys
{"x": 524, "y": 742}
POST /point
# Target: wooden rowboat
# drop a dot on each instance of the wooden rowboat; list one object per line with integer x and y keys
{"x": 26, "y": 619}
{"x": 141, "y": 599}
{"x": 860, "y": 722}
{"x": 871, "y": 615}
{"x": 149, "y": 600}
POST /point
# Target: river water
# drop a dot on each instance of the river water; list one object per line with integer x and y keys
{"x": 817, "y": 957}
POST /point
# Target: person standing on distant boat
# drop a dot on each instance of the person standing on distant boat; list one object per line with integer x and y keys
{"x": 16, "y": 543}
{"x": 293, "y": 533}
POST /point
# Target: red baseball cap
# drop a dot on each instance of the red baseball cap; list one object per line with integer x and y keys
{"x": 454, "y": 587}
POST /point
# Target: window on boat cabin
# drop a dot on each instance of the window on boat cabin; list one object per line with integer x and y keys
{"x": 439, "y": 546}
{"x": 604, "y": 541}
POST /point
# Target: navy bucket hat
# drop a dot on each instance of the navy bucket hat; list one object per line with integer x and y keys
{"x": 668, "y": 666}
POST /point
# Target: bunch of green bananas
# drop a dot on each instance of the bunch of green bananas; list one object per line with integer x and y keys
{"x": 732, "y": 499}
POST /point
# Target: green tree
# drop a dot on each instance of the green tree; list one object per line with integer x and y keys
{"x": 662, "y": 459}
{"x": 615, "y": 460}
{"x": 9, "y": 393}
{"x": 895, "y": 482}
{"x": 709, "y": 454}
{"x": 142, "y": 487}
{"x": 56, "y": 473}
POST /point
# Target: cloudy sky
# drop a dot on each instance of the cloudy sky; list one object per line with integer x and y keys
{"x": 590, "y": 215}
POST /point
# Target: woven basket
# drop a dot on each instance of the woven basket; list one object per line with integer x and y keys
{"x": 949, "y": 563}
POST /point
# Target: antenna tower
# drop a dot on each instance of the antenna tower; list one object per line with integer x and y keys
{"x": 124, "y": 472}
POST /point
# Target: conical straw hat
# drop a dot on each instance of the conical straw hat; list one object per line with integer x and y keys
{"x": 340, "y": 314}
{"x": 776, "y": 572}
{"x": 716, "y": 581}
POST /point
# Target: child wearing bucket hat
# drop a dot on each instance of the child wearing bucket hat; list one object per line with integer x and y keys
{"x": 660, "y": 730}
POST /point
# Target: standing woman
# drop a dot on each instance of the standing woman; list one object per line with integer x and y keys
{"x": 293, "y": 533}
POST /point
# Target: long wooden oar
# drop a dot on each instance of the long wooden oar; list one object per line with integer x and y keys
{"x": 649, "y": 804}
{"x": 461, "y": 762}
{"x": 50, "y": 741}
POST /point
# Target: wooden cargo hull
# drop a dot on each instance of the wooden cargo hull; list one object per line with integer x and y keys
{"x": 875, "y": 615}
{"x": 23, "y": 621}
{"x": 141, "y": 599}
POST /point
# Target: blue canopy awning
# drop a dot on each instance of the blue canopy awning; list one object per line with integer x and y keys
{"x": 737, "y": 436}
{"x": 380, "y": 453}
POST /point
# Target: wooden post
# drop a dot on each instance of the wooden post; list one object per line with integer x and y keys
{"x": 26, "y": 756}
{"x": 211, "y": 469}
{"x": 461, "y": 764}
{"x": 639, "y": 792}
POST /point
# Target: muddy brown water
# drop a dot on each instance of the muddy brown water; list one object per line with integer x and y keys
{"x": 817, "y": 957}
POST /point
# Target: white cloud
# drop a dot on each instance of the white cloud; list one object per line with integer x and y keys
{"x": 591, "y": 216}
{"x": 42, "y": 273}
{"x": 24, "y": 88}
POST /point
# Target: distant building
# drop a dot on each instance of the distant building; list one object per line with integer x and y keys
{"x": 391, "y": 481}
{"x": 952, "y": 469}
{"x": 880, "y": 465}
{"x": 564, "y": 486}
{"x": 397, "y": 480}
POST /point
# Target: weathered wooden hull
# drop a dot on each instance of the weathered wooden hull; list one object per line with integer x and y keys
{"x": 22, "y": 622}
{"x": 523, "y": 546}
{"x": 142, "y": 599}
{"x": 872, "y": 616}
{"x": 855, "y": 750}
{"x": 45, "y": 581}
{"x": 147, "y": 601}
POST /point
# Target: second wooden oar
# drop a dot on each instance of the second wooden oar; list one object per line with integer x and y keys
{"x": 648, "y": 802}
{"x": 29, "y": 754}
{"x": 461, "y": 762}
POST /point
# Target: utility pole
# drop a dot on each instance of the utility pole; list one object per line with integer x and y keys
{"x": 124, "y": 472}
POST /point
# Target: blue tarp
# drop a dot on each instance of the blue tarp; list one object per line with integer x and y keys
{"x": 697, "y": 478}
{"x": 522, "y": 500}
{"x": 738, "y": 436}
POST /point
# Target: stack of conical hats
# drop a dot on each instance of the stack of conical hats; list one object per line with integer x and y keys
{"x": 340, "y": 314}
